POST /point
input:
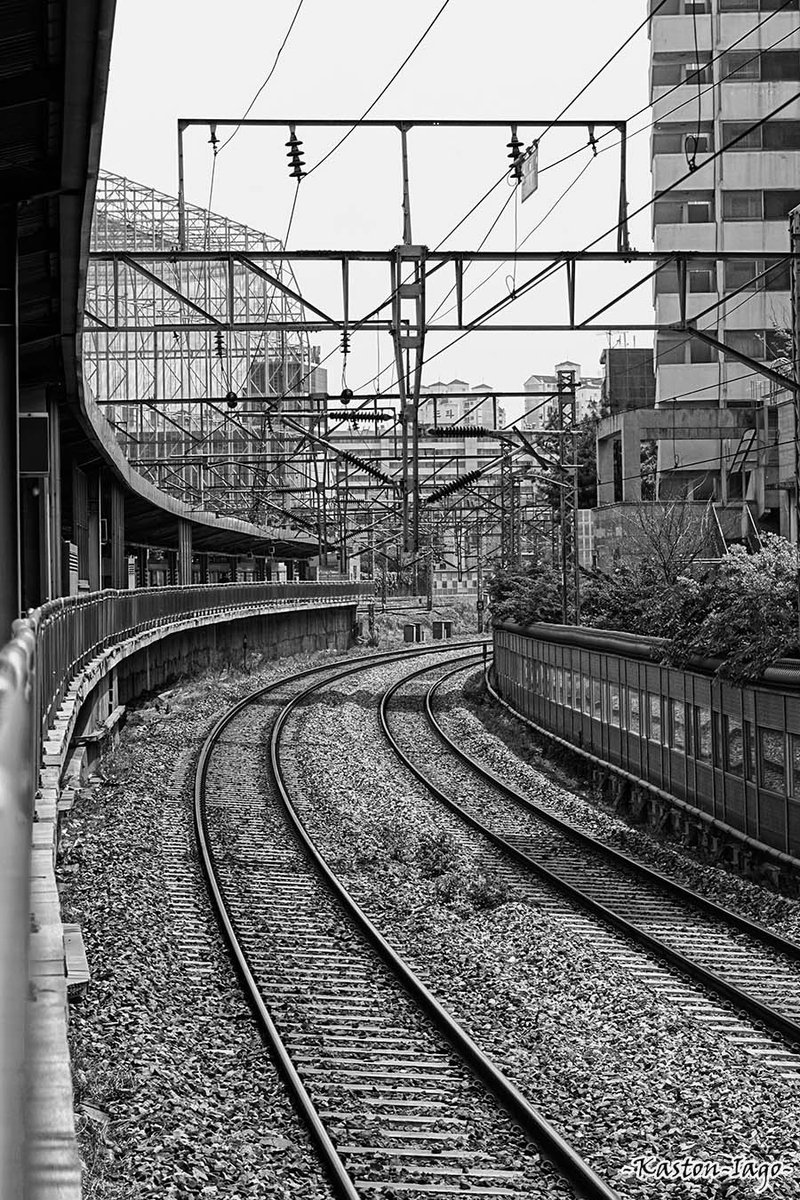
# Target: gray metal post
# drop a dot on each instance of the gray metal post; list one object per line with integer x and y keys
{"x": 9, "y": 436}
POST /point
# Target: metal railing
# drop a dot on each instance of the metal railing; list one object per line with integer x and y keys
{"x": 47, "y": 651}
{"x": 16, "y": 814}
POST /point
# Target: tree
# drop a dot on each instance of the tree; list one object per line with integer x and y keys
{"x": 525, "y": 597}
{"x": 744, "y": 612}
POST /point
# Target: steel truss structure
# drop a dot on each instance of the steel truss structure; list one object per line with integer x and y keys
{"x": 157, "y": 373}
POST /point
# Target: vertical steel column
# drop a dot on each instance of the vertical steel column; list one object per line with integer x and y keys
{"x": 568, "y": 498}
{"x": 184, "y": 553}
{"x": 9, "y": 433}
{"x": 116, "y": 533}
{"x": 794, "y": 245}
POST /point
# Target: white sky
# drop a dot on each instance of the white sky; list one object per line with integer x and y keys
{"x": 500, "y": 59}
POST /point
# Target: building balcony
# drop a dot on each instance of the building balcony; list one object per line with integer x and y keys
{"x": 686, "y": 97}
{"x": 761, "y": 310}
{"x": 758, "y": 236}
{"x": 669, "y": 34}
{"x": 684, "y": 379}
{"x": 667, "y": 168}
{"x": 732, "y": 26}
{"x": 755, "y": 169}
{"x": 747, "y": 101}
{"x": 685, "y": 237}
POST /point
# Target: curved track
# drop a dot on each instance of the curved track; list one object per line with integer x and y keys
{"x": 397, "y": 1097}
{"x": 741, "y": 963}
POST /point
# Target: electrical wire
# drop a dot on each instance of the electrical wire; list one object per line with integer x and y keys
{"x": 271, "y": 72}
{"x": 548, "y": 272}
{"x": 691, "y": 155}
{"x": 679, "y": 86}
{"x": 217, "y": 149}
{"x": 381, "y": 93}
{"x": 601, "y": 69}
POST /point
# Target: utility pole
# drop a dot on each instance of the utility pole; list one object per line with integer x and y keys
{"x": 479, "y": 552}
{"x": 568, "y": 498}
{"x": 794, "y": 246}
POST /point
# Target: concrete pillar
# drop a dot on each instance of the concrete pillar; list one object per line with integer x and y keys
{"x": 631, "y": 461}
{"x": 80, "y": 521}
{"x": 605, "y": 470}
{"x": 95, "y": 507}
{"x": 9, "y": 495}
{"x": 203, "y": 567}
{"x": 55, "y": 584}
{"x": 116, "y": 531}
{"x": 184, "y": 553}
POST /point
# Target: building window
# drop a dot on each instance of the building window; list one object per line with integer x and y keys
{"x": 654, "y": 704}
{"x": 677, "y": 722}
{"x": 587, "y": 695}
{"x": 744, "y": 273}
{"x": 774, "y": 135}
{"x": 677, "y": 349}
{"x": 568, "y": 688}
{"x": 795, "y": 766}
{"x": 773, "y": 760}
{"x": 771, "y": 66}
{"x": 701, "y": 276}
{"x": 762, "y": 344}
{"x": 670, "y": 69}
{"x": 614, "y": 714}
{"x": 683, "y": 139}
{"x": 756, "y": 5}
{"x": 741, "y": 65}
{"x": 633, "y": 711}
{"x": 702, "y": 733}
{"x": 597, "y": 703}
{"x": 779, "y": 202}
{"x": 695, "y": 208}
{"x": 780, "y": 64}
{"x": 749, "y": 751}
{"x": 733, "y": 745}
{"x": 742, "y": 206}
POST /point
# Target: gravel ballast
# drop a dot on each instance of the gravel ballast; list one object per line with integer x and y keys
{"x": 619, "y": 1071}
{"x": 175, "y": 1094}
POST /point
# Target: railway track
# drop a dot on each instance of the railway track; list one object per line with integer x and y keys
{"x": 709, "y": 961}
{"x": 398, "y": 1099}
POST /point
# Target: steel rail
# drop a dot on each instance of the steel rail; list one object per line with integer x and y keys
{"x": 554, "y": 1148}
{"x": 784, "y": 1026}
{"x": 616, "y": 857}
{"x": 332, "y": 1162}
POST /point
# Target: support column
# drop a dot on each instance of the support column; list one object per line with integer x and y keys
{"x": 95, "y": 506}
{"x": 631, "y": 461}
{"x": 184, "y": 553}
{"x": 80, "y": 522}
{"x": 605, "y": 470}
{"x": 9, "y": 454}
{"x": 54, "y": 501}
{"x": 116, "y": 529}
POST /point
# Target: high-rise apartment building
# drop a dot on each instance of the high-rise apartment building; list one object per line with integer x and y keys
{"x": 718, "y": 67}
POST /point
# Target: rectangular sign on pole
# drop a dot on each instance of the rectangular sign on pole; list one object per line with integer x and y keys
{"x": 530, "y": 173}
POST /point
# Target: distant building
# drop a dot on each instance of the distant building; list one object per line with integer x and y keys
{"x": 539, "y": 410}
{"x": 441, "y": 404}
{"x": 736, "y": 201}
{"x": 629, "y": 379}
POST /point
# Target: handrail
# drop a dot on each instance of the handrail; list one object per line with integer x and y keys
{"x": 48, "y": 649}
{"x": 16, "y": 812}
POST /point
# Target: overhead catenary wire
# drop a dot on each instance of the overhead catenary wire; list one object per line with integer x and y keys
{"x": 270, "y": 73}
{"x": 382, "y": 92}
{"x": 704, "y": 91}
{"x": 557, "y": 266}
